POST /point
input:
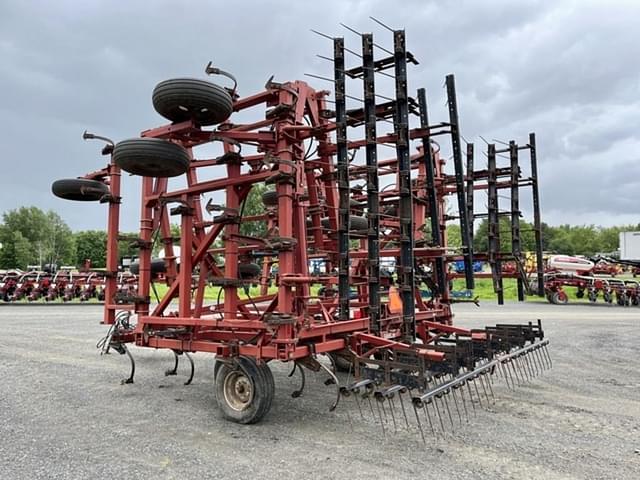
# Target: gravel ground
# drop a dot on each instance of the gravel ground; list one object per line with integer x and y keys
{"x": 64, "y": 414}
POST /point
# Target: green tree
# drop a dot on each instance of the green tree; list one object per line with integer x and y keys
{"x": 253, "y": 205}
{"x": 59, "y": 244}
{"x": 49, "y": 238}
{"x": 91, "y": 245}
{"x": 15, "y": 251}
{"x": 454, "y": 238}
{"x": 481, "y": 236}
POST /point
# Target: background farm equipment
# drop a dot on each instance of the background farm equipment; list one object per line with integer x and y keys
{"x": 586, "y": 275}
{"x": 8, "y": 285}
{"x": 64, "y": 285}
{"x": 323, "y": 204}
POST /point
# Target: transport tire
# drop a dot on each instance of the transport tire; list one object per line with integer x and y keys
{"x": 181, "y": 99}
{"x": 358, "y": 224}
{"x": 243, "y": 391}
{"x": 270, "y": 198}
{"x": 559, "y": 298}
{"x": 249, "y": 270}
{"x": 157, "y": 266}
{"x": 341, "y": 363}
{"x": 579, "y": 293}
{"x": 151, "y": 157}
{"x": 606, "y": 296}
{"x": 592, "y": 296}
{"x": 270, "y": 383}
{"x": 79, "y": 189}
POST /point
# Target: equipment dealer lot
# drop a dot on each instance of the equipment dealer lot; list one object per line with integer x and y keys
{"x": 65, "y": 415}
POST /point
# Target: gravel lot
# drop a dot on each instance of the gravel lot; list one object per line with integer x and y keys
{"x": 64, "y": 414}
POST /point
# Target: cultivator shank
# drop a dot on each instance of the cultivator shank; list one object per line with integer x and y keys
{"x": 377, "y": 226}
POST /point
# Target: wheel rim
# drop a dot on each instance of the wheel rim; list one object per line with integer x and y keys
{"x": 238, "y": 391}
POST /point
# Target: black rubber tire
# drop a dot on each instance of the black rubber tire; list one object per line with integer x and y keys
{"x": 559, "y": 299}
{"x": 249, "y": 270}
{"x": 181, "y": 99}
{"x": 151, "y": 157}
{"x": 267, "y": 375}
{"x": 270, "y": 198}
{"x": 579, "y": 293}
{"x": 341, "y": 363}
{"x": 79, "y": 189}
{"x": 358, "y": 224}
{"x": 261, "y": 398}
{"x": 157, "y": 266}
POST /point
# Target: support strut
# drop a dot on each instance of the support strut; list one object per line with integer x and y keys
{"x": 343, "y": 179}
{"x": 459, "y": 174}
{"x": 401, "y": 127}
{"x": 537, "y": 224}
{"x": 373, "y": 205}
{"x": 432, "y": 195}
{"x": 516, "y": 249}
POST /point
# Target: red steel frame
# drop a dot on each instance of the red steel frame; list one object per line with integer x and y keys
{"x": 303, "y": 325}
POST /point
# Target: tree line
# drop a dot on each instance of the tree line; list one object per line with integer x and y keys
{"x": 30, "y": 236}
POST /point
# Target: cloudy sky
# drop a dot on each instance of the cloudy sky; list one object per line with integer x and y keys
{"x": 568, "y": 70}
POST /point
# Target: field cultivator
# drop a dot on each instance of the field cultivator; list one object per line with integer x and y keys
{"x": 585, "y": 276}
{"x": 325, "y": 204}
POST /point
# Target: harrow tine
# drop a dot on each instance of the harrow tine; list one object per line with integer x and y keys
{"x": 133, "y": 366}
{"x": 464, "y": 402}
{"x": 523, "y": 366}
{"x": 298, "y": 393}
{"x": 192, "y": 369}
{"x": 484, "y": 389}
{"x": 393, "y": 416}
{"x": 515, "y": 380}
{"x": 428, "y": 415}
{"x": 390, "y": 393}
{"x": 174, "y": 370}
{"x": 546, "y": 352}
{"x": 475, "y": 386}
{"x": 532, "y": 371}
{"x": 513, "y": 364}
{"x": 536, "y": 355}
{"x": 415, "y": 410}
{"x": 435, "y": 405}
{"x": 506, "y": 374}
{"x": 335, "y": 381}
{"x": 363, "y": 389}
{"x": 491, "y": 389}
{"x": 446, "y": 404}
{"x": 380, "y": 399}
{"x": 471, "y": 397}
{"x": 384, "y": 433}
{"x": 455, "y": 401}
{"x": 355, "y": 397}
{"x": 516, "y": 362}
{"x": 404, "y": 411}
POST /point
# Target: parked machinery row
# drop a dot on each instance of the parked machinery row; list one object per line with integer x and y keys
{"x": 592, "y": 278}
{"x": 64, "y": 285}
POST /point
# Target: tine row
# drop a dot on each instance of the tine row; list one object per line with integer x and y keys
{"x": 445, "y": 403}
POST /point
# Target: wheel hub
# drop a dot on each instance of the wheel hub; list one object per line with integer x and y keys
{"x": 238, "y": 390}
